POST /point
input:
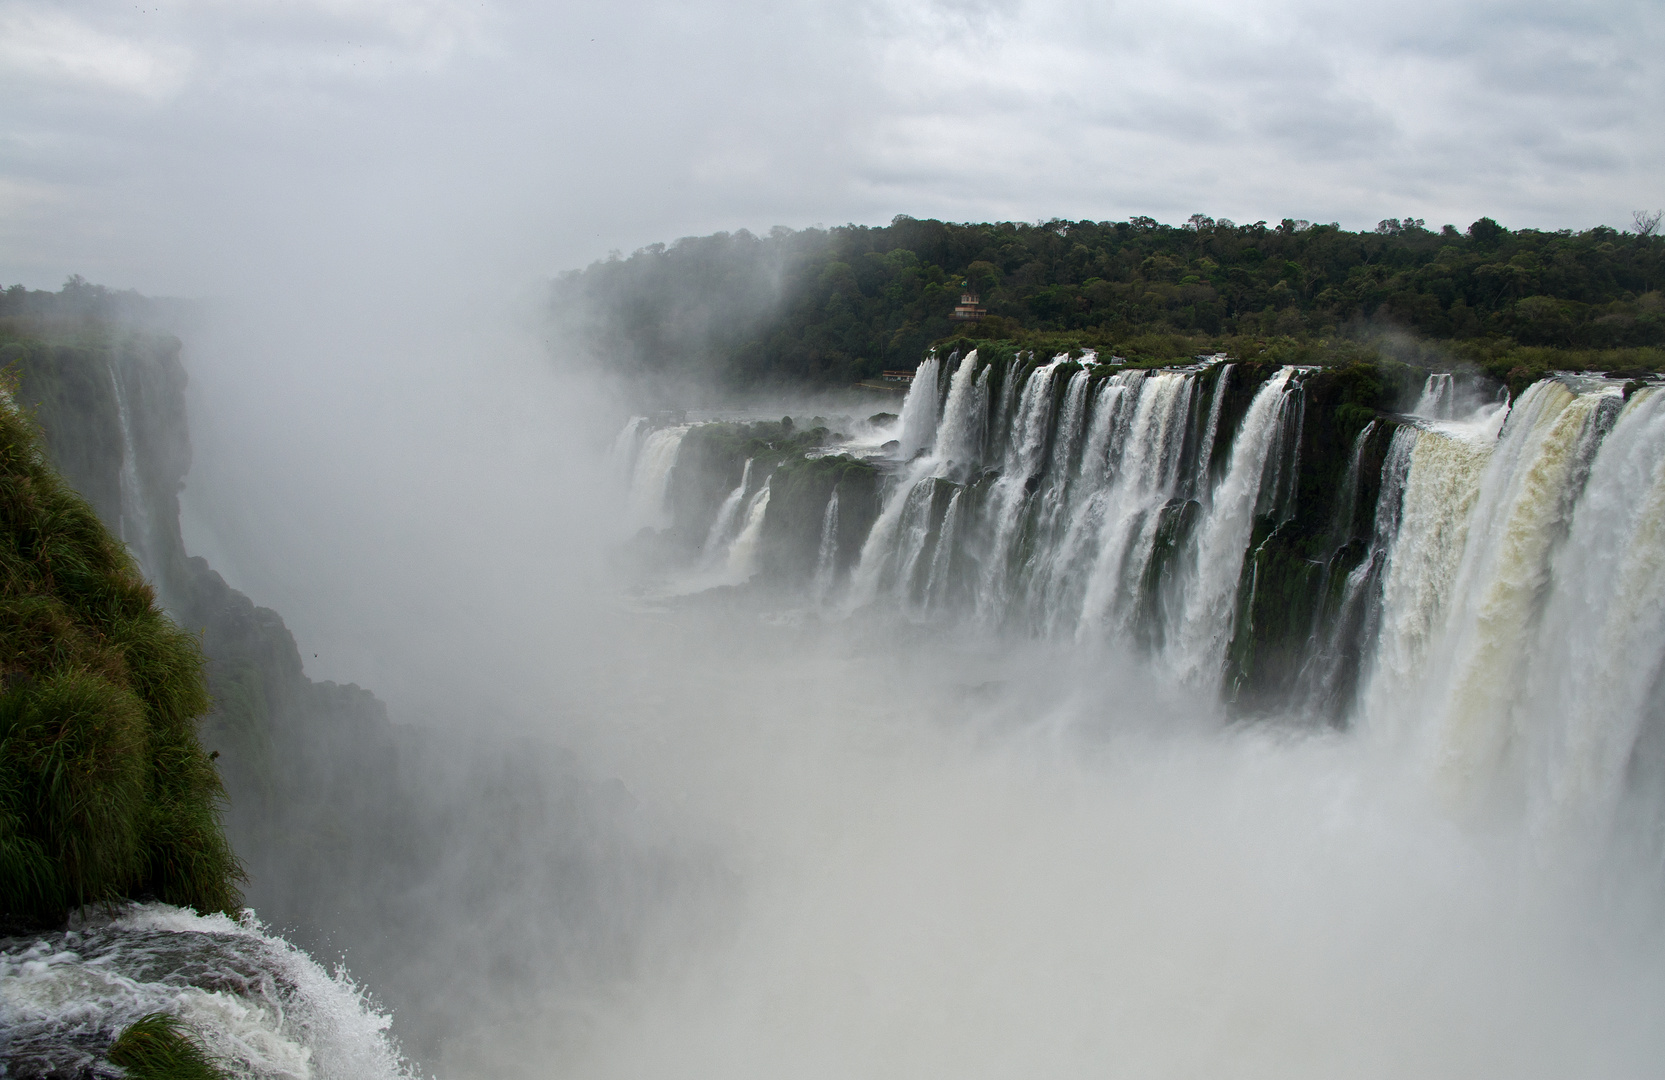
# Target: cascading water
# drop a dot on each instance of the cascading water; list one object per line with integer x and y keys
{"x": 919, "y": 410}
{"x": 1020, "y": 474}
{"x": 826, "y": 555}
{"x": 1146, "y": 459}
{"x": 742, "y": 554}
{"x": 960, "y": 438}
{"x": 262, "y": 1008}
{"x": 651, "y": 474}
{"x": 1601, "y": 653}
{"x": 626, "y": 444}
{"x": 1526, "y": 495}
{"x": 1478, "y": 588}
{"x": 1438, "y": 398}
{"x": 717, "y": 541}
{"x": 1329, "y": 679}
{"x": 135, "y": 516}
{"x": 1206, "y": 616}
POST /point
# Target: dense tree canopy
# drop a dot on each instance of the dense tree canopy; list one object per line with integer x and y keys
{"x": 843, "y": 304}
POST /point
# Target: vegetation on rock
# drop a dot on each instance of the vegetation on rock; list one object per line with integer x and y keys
{"x": 105, "y": 791}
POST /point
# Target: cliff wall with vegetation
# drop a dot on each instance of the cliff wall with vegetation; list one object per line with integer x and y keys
{"x": 105, "y": 790}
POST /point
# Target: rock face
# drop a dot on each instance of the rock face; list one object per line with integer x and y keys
{"x": 112, "y": 413}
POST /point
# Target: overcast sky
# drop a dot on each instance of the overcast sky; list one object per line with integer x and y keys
{"x": 194, "y": 147}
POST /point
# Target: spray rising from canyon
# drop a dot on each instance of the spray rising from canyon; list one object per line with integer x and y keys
{"x": 1025, "y": 798}
{"x": 964, "y": 744}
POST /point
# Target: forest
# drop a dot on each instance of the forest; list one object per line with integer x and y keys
{"x": 841, "y": 305}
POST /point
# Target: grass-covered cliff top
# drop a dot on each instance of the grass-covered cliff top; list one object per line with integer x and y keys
{"x": 105, "y": 791}
{"x": 841, "y": 305}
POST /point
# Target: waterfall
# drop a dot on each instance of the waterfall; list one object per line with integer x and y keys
{"x": 826, "y": 558}
{"x": 1341, "y": 525}
{"x": 1205, "y": 449}
{"x": 1144, "y": 475}
{"x": 1026, "y": 447}
{"x": 651, "y": 476}
{"x": 1603, "y": 646}
{"x": 1525, "y": 498}
{"x": 626, "y": 445}
{"x": 1438, "y": 398}
{"x": 942, "y": 559}
{"x": 1487, "y": 595}
{"x": 1200, "y": 641}
{"x": 1440, "y": 489}
{"x": 1446, "y": 398}
{"x": 135, "y": 516}
{"x": 959, "y": 440}
{"x": 1329, "y": 680}
{"x": 716, "y": 541}
{"x": 1066, "y": 447}
{"x": 742, "y": 554}
{"x": 919, "y": 410}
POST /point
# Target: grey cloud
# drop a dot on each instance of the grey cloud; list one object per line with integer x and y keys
{"x": 227, "y": 145}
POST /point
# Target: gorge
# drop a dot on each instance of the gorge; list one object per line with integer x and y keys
{"x": 1224, "y": 717}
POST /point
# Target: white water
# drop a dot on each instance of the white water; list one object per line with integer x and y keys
{"x": 1145, "y": 468}
{"x": 826, "y": 556}
{"x": 1008, "y": 854}
{"x": 960, "y": 438}
{"x": 1464, "y": 643}
{"x": 1438, "y": 398}
{"x": 742, "y": 554}
{"x": 135, "y": 516}
{"x": 1200, "y": 641}
{"x": 651, "y": 475}
{"x": 1449, "y": 397}
{"x": 1602, "y": 650}
{"x": 258, "y": 1005}
{"x": 626, "y": 445}
{"x": 992, "y": 861}
{"x": 721, "y": 535}
{"x": 1025, "y": 453}
{"x": 918, "y": 424}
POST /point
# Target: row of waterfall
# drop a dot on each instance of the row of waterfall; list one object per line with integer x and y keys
{"x": 1480, "y": 581}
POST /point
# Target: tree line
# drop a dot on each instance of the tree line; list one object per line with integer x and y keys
{"x": 844, "y": 304}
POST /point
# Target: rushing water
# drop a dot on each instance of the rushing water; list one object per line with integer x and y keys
{"x": 260, "y": 1007}
{"x": 1495, "y": 611}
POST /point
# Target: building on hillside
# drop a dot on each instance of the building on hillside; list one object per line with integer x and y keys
{"x": 968, "y": 309}
{"x": 898, "y": 376}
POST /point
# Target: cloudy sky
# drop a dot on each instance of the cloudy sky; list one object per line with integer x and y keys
{"x": 200, "y": 146}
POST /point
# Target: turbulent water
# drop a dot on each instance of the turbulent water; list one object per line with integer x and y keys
{"x": 260, "y": 1007}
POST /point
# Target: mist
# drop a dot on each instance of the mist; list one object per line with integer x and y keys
{"x": 729, "y": 834}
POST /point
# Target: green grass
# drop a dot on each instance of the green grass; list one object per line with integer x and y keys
{"x": 105, "y": 792}
{"x": 159, "y": 1047}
